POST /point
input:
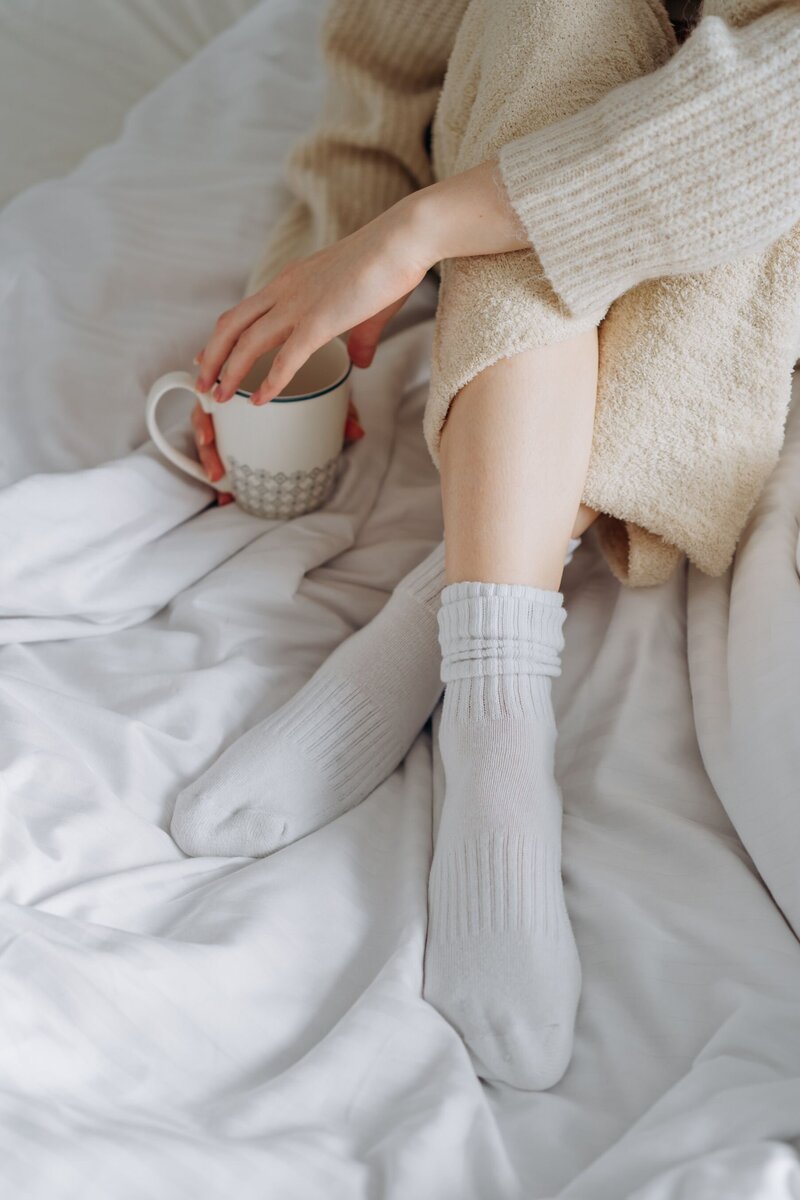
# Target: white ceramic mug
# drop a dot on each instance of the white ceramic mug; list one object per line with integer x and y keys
{"x": 281, "y": 459}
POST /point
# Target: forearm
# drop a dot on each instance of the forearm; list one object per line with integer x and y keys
{"x": 467, "y": 214}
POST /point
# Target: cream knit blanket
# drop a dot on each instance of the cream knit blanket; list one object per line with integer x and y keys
{"x": 695, "y": 368}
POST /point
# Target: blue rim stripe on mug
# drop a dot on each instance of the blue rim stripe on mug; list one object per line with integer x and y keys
{"x": 307, "y": 396}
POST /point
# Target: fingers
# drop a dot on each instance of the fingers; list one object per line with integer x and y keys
{"x": 202, "y": 426}
{"x": 352, "y": 429}
{"x": 211, "y": 463}
{"x": 363, "y": 339}
{"x": 203, "y": 430}
{"x": 296, "y": 350}
{"x": 260, "y": 337}
{"x": 228, "y": 329}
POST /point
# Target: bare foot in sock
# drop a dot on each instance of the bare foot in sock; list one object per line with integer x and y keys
{"x": 332, "y": 744}
{"x": 501, "y": 962}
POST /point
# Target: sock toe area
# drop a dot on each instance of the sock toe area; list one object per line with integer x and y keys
{"x": 537, "y": 1066}
{"x": 521, "y": 1037}
{"x": 201, "y": 830}
{"x": 254, "y": 808}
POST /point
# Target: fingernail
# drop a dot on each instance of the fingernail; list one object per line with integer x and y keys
{"x": 196, "y": 359}
{"x": 217, "y": 393}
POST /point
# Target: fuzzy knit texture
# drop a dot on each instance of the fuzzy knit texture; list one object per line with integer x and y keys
{"x": 659, "y": 187}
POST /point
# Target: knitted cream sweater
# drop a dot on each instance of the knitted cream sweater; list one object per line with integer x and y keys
{"x": 659, "y": 180}
{"x": 673, "y": 172}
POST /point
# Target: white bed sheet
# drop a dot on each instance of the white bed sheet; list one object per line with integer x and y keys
{"x": 208, "y": 1028}
{"x": 71, "y": 69}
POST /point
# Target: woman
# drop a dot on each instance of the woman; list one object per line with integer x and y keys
{"x": 589, "y": 186}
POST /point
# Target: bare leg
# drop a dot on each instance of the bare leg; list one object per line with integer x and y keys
{"x": 514, "y": 456}
{"x": 501, "y": 963}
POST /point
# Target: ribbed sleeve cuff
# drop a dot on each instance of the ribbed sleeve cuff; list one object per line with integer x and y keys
{"x": 575, "y": 210}
{"x": 670, "y": 173}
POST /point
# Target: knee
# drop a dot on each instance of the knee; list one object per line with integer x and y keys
{"x": 518, "y": 65}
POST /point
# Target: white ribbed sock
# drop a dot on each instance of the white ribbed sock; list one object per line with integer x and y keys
{"x": 327, "y": 748}
{"x": 500, "y": 961}
{"x": 334, "y": 742}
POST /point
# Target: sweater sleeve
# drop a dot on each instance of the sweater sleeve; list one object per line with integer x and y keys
{"x": 680, "y": 170}
{"x": 385, "y": 64}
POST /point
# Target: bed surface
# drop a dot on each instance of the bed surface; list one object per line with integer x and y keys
{"x": 71, "y": 69}
{"x": 207, "y": 1028}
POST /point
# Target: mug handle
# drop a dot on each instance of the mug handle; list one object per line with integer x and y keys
{"x": 178, "y": 379}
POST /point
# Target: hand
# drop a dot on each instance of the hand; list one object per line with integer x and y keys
{"x": 203, "y": 430}
{"x": 356, "y": 284}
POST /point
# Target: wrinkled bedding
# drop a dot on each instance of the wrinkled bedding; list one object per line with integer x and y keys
{"x": 207, "y": 1028}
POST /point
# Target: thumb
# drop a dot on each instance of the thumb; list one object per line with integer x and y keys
{"x": 363, "y": 338}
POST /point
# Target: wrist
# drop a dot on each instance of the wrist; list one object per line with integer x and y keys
{"x": 465, "y": 215}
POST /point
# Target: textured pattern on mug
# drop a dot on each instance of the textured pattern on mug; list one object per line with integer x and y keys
{"x": 281, "y": 494}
